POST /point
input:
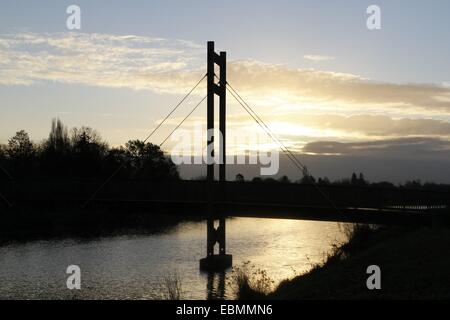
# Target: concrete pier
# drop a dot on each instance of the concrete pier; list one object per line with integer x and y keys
{"x": 216, "y": 262}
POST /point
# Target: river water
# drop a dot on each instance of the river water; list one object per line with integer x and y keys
{"x": 134, "y": 266}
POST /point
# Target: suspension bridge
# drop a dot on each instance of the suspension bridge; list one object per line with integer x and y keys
{"x": 215, "y": 199}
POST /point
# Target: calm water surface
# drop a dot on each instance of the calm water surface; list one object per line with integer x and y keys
{"x": 134, "y": 266}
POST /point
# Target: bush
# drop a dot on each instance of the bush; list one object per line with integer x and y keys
{"x": 250, "y": 283}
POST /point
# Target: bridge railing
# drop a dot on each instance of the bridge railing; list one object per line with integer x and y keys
{"x": 344, "y": 196}
{"x": 245, "y": 192}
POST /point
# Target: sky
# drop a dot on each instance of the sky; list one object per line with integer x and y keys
{"x": 329, "y": 87}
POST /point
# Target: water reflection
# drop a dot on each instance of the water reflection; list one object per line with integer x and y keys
{"x": 134, "y": 266}
{"x": 215, "y": 286}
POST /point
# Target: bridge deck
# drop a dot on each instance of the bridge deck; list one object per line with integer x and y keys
{"x": 271, "y": 200}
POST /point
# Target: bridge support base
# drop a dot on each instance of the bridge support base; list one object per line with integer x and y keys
{"x": 216, "y": 262}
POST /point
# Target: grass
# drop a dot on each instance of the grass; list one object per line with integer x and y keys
{"x": 414, "y": 264}
{"x": 249, "y": 282}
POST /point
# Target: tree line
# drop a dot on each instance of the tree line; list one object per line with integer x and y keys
{"x": 354, "y": 180}
{"x": 81, "y": 153}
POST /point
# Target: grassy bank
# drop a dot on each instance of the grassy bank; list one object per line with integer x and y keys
{"x": 414, "y": 263}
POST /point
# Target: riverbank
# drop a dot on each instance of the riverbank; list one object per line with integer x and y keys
{"x": 26, "y": 224}
{"x": 414, "y": 264}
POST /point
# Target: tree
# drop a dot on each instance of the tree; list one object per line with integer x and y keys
{"x": 354, "y": 179}
{"x": 3, "y": 162}
{"x": 413, "y": 184}
{"x": 88, "y": 151}
{"x": 3, "y": 159}
{"x": 323, "y": 181}
{"x": 361, "y": 180}
{"x": 284, "y": 179}
{"x": 58, "y": 140}
{"x": 56, "y": 158}
{"x": 20, "y": 155}
{"x": 307, "y": 177}
{"x": 147, "y": 160}
{"x": 20, "y": 147}
{"x": 358, "y": 180}
{"x": 2, "y": 152}
{"x": 85, "y": 137}
{"x": 269, "y": 180}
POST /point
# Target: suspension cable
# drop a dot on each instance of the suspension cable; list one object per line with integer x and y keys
{"x": 273, "y": 136}
{"x": 145, "y": 140}
{"x": 6, "y": 200}
{"x": 175, "y": 129}
{"x": 258, "y": 119}
{"x": 286, "y": 150}
{"x": 175, "y": 108}
{"x": 8, "y": 175}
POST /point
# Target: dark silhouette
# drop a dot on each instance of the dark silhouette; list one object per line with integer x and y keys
{"x": 82, "y": 154}
{"x": 284, "y": 179}
{"x": 358, "y": 180}
{"x": 88, "y": 152}
{"x": 222, "y": 260}
{"x": 147, "y": 161}
{"x": 56, "y": 176}
{"x": 20, "y": 154}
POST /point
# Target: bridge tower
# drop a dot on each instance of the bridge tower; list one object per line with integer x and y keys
{"x": 220, "y": 261}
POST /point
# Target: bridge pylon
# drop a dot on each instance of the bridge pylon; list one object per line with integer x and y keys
{"x": 222, "y": 260}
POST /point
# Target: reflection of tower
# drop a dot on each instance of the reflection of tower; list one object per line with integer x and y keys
{"x": 215, "y": 287}
{"x": 222, "y": 260}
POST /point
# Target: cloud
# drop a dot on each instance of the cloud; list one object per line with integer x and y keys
{"x": 300, "y": 104}
{"x": 417, "y": 147}
{"x": 317, "y": 58}
{"x": 172, "y": 66}
{"x": 369, "y": 125}
{"x": 99, "y": 60}
{"x": 348, "y": 91}
{"x": 299, "y": 127}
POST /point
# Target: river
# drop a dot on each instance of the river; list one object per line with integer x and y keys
{"x": 133, "y": 266}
